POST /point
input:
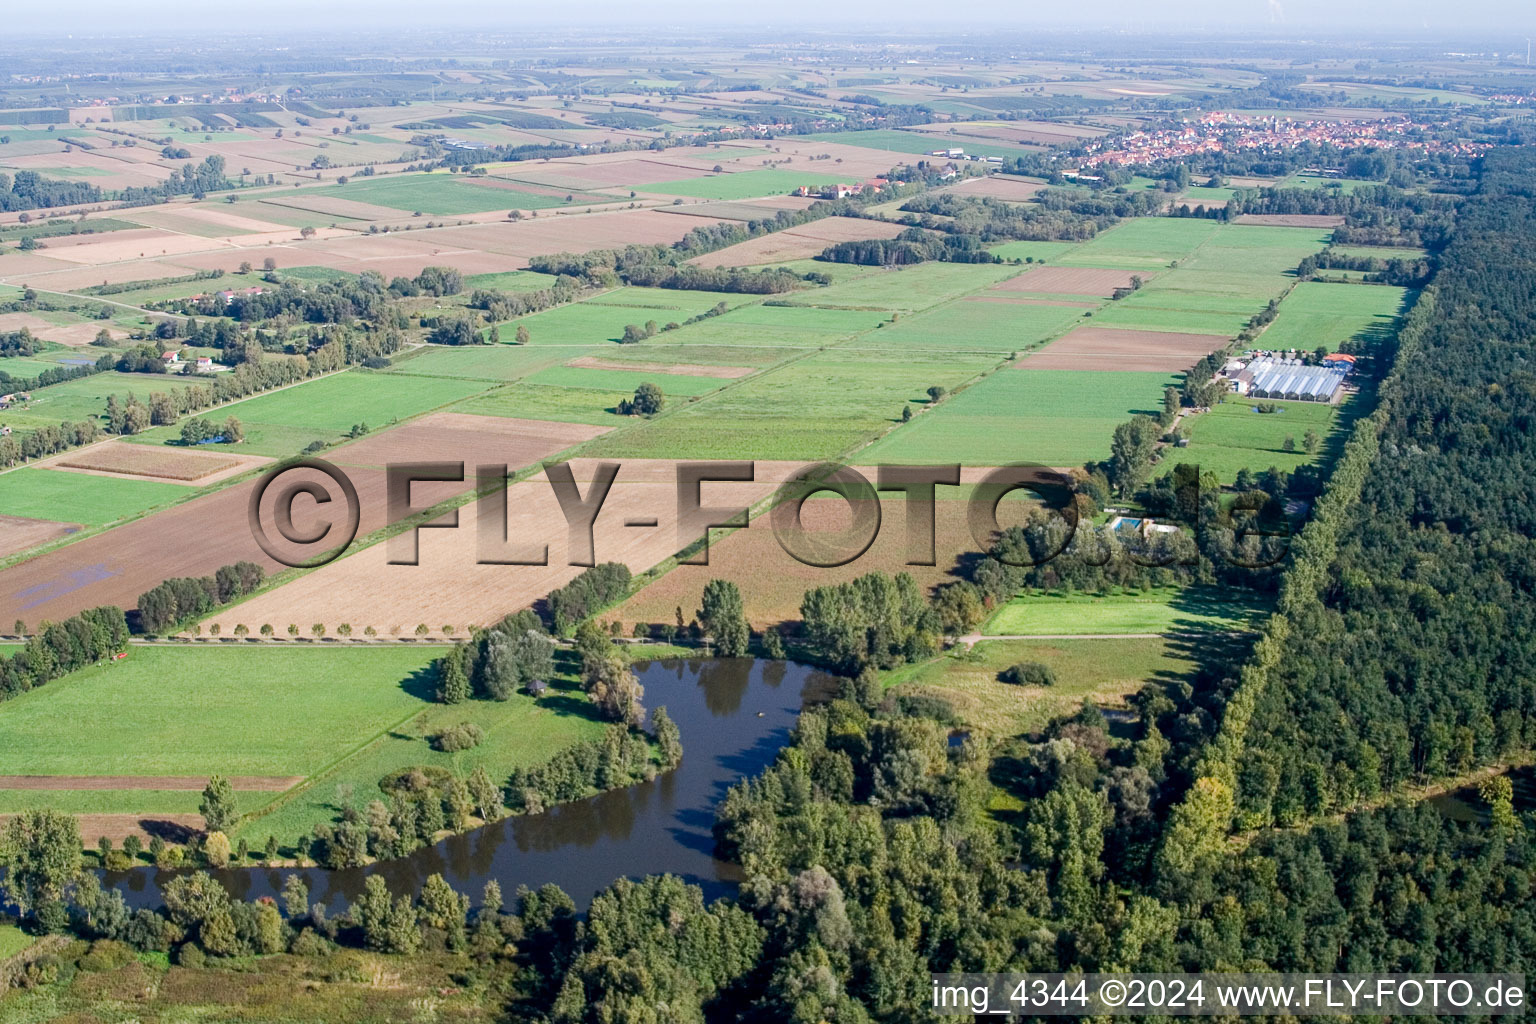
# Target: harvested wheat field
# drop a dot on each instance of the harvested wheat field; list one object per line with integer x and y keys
{"x": 999, "y": 186}
{"x": 23, "y": 321}
{"x": 112, "y": 248}
{"x": 76, "y": 335}
{"x": 472, "y": 440}
{"x": 1106, "y": 348}
{"x": 177, "y": 465}
{"x": 798, "y": 243}
{"x": 1070, "y": 281}
{"x": 681, "y": 369}
{"x": 1292, "y": 220}
{"x": 450, "y": 587}
{"x": 18, "y": 534}
{"x": 70, "y": 278}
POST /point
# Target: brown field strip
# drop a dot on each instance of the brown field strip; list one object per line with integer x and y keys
{"x": 1014, "y": 301}
{"x": 1292, "y": 220}
{"x": 1106, "y": 348}
{"x": 797, "y": 243}
{"x": 1015, "y": 190}
{"x": 177, "y": 828}
{"x": 460, "y": 437}
{"x": 681, "y": 369}
{"x": 193, "y": 783}
{"x": 1070, "y": 281}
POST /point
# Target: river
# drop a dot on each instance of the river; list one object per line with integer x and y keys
{"x": 734, "y": 715}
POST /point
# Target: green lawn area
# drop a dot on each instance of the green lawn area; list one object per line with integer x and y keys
{"x": 1316, "y": 314}
{"x": 238, "y": 709}
{"x": 12, "y": 940}
{"x": 1318, "y": 181}
{"x": 1232, "y": 436}
{"x": 1040, "y": 252}
{"x": 561, "y": 404}
{"x": 509, "y": 281}
{"x": 283, "y": 422}
{"x": 603, "y": 318}
{"x": 479, "y": 362}
{"x": 1104, "y": 671}
{"x": 519, "y": 732}
{"x": 625, "y": 380}
{"x": 1141, "y": 243}
{"x": 83, "y": 498}
{"x": 1380, "y": 252}
{"x": 813, "y": 408}
{"x": 1155, "y": 610}
{"x": 978, "y": 326}
{"x": 905, "y": 290}
{"x": 1200, "y": 195}
{"x": 85, "y": 398}
{"x": 741, "y": 184}
{"x": 1050, "y": 417}
{"x": 440, "y": 194}
{"x": 349, "y": 714}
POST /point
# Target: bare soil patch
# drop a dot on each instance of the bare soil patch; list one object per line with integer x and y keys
{"x": 1292, "y": 220}
{"x": 18, "y": 534}
{"x": 798, "y": 243}
{"x": 683, "y": 369}
{"x": 17, "y": 321}
{"x": 76, "y": 335}
{"x": 111, "y": 248}
{"x": 1104, "y": 348}
{"x": 241, "y": 783}
{"x": 999, "y": 186}
{"x": 1070, "y": 281}
{"x": 176, "y": 828}
{"x": 460, "y": 437}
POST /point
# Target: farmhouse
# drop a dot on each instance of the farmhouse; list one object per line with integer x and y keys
{"x": 170, "y": 359}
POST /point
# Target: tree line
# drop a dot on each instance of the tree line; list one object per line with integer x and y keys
{"x": 60, "y": 648}
{"x": 186, "y": 597}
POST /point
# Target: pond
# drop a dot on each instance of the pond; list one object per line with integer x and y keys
{"x": 734, "y": 715}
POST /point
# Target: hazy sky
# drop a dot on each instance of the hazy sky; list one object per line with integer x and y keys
{"x": 1516, "y": 18}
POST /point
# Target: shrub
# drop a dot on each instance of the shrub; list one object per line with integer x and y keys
{"x": 1028, "y": 673}
{"x": 464, "y": 736}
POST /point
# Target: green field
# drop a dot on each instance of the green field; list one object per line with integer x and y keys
{"x": 85, "y": 398}
{"x": 1330, "y": 314}
{"x": 283, "y": 422}
{"x": 1155, "y": 610}
{"x": 499, "y": 363}
{"x": 978, "y": 326}
{"x": 603, "y": 318}
{"x": 1050, "y": 417}
{"x": 900, "y": 143}
{"x": 439, "y": 194}
{"x": 561, "y": 404}
{"x": 906, "y": 290}
{"x": 1233, "y": 436}
{"x": 519, "y": 732}
{"x": 347, "y": 714}
{"x": 1144, "y": 243}
{"x": 812, "y": 408}
{"x": 1040, "y": 252}
{"x": 509, "y": 281}
{"x": 238, "y": 710}
{"x": 1104, "y": 671}
{"x": 83, "y": 498}
{"x": 625, "y": 380}
{"x": 741, "y": 184}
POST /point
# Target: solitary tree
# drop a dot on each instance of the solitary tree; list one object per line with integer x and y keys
{"x": 43, "y": 857}
{"x": 723, "y": 617}
{"x": 522, "y": 334}
{"x": 218, "y": 806}
{"x": 1310, "y": 442}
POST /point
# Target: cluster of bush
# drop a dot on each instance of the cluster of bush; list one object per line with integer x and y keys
{"x": 186, "y": 597}
{"x": 620, "y": 758}
{"x": 420, "y": 804}
{"x": 593, "y": 590}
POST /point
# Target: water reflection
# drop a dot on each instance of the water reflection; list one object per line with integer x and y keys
{"x": 734, "y": 716}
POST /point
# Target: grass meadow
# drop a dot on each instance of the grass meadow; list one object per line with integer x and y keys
{"x": 1104, "y": 671}
{"x": 1153, "y": 610}
{"x": 1051, "y": 417}
{"x": 83, "y": 498}
{"x": 1233, "y": 436}
{"x": 1330, "y": 314}
{"x": 438, "y": 194}
{"x": 283, "y": 422}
